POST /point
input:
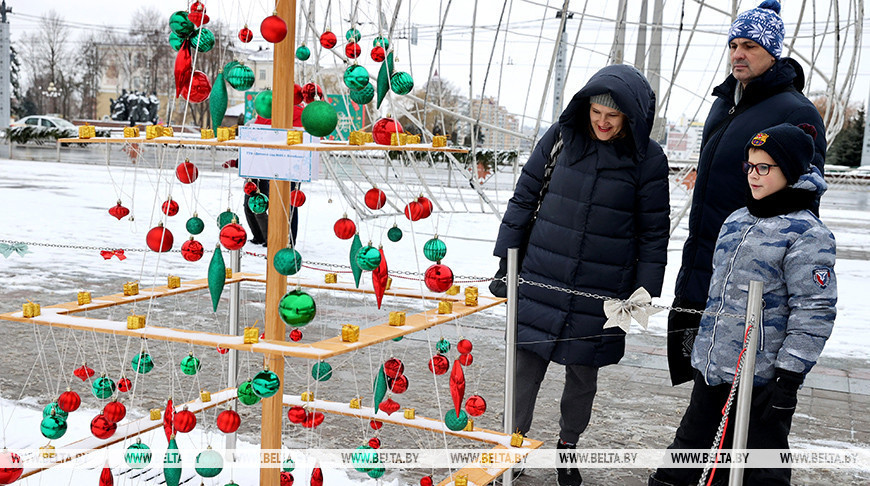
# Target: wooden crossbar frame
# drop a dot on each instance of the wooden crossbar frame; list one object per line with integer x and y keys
{"x": 327, "y": 146}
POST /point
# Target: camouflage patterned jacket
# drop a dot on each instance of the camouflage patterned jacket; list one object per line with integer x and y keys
{"x": 793, "y": 255}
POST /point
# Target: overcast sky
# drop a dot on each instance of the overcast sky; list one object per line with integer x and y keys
{"x": 520, "y": 57}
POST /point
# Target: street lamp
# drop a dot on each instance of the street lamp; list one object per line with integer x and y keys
{"x": 51, "y": 93}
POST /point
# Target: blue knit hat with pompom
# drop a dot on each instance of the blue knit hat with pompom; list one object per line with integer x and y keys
{"x": 762, "y": 25}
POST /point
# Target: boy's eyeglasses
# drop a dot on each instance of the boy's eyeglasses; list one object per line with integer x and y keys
{"x": 760, "y": 169}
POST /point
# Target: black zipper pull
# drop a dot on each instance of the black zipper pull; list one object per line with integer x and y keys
{"x": 731, "y": 111}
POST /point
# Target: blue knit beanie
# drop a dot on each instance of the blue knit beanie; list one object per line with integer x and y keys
{"x": 762, "y": 25}
{"x": 791, "y": 147}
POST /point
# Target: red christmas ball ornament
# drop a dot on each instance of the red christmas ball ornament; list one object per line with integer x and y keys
{"x": 103, "y": 428}
{"x": 69, "y": 401}
{"x": 221, "y": 350}
{"x": 125, "y": 385}
{"x": 439, "y": 364}
{"x": 375, "y": 198}
{"x": 378, "y": 54}
{"x": 296, "y": 414}
{"x": 250, "y": 187}
{"x": 115, "y": 411}
{"x": 233, "y": 236}
{"x": 383, "y": 128}
{"x": 394, "y": 368}
{"x": 245, "y": 34}
{"x": 286, "y": 478}
{"x": 464, "y": 346}
{"x": 186, "y": 172}
{"x": 197, "y": 14}
{"x": 297, "y": 96}
{"x": 274, "y": 29}
{"x": 83, "y": 372}
{"x": 159, "y": 239}
{"x": 297, "y": 198}
{"x": 192, "y": 250}
{"x": 328, "y": 40}
{"x": 228, "y": 421}
{"x": 426, "y": 481}
{"x": 352, "y": 50}
{"x": 398, "y": 385}
{"x": 475, "y": 405}
{"x": 427, "y": 205}
{"x": 466, "y": 359}
{"x": 312, "y": 420}
{"x": 375, "y": 443}
{"x": 375, "y": 424}
{"x": 295, "y": 335}
{"x": 414, "y": 211}
{"x": 170, "y": 207}
{"x": 311, "y": 92}
{"x": 438, "y": 277}
{"x": 198, "y": 89}
{"x": 184, "y": 421}
{"x": 118, "y": 211}
{"x": 344, "y": 228}
{"x": 10, "y": 467}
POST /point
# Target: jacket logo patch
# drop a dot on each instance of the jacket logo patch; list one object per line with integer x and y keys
{"x": 821, "y": 276}
{"x": 759, "y": 139}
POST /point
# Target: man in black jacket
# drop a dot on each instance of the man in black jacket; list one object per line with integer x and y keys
{"x": 763, "y": 90}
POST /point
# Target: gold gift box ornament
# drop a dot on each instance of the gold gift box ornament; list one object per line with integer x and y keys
{"x": 398, "y": 139}
{"x": 168, "y": 132}
{"x": 471, "y": 296}
{"x": 31, "y": 309}
{"x": 397, "y": 318}
{"x": 469, "y": 427}
{"x": 173, "y": 281}
{"x": 153, "y": 131}
{"x": 131, "y": 288}
{"x": 252, "y": 335}
{"x": 389, "y": 283}
{"x": 229, "y": 273}
{"x": 204, "y": 396}
{"x": 453, "y": 290}
{"x": 131, "y": 132}
{"x": 410, "y": 413}
{"x": 412, "y": 139}
{"x": 47, "y": 451}
{"x": 349, "y": 333}
{"x": 135, "y": 321}
{"x": 445, "y": 307}
{"x": 355, "y": 403}
{"x": 516, "y": 439}
{"x": 156, "y": 414}
{"x": 294, "y": 137}
{"x": 223, "y": 134}
{"x": 307, "y": 396}
{"x": 83, "y": 298}
{"x": 87, "y": 131}
{"x": 439, "y": 141}
{"x": 206, "y": 133}
{"x": 460, "y": 480}
{"x": 331, "y": 278}
{"x": 357, "y": 138}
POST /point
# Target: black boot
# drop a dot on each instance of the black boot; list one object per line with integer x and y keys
{"x": 568, "y": 476}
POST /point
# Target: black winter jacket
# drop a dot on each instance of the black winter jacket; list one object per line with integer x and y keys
{"x": 602, "y": 227}
{"x": 772, "y": 98}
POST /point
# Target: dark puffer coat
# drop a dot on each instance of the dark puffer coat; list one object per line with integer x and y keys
{"x": 602, "y": 227}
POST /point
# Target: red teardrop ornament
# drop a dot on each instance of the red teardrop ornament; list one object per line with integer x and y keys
{"x": 389, "y": 405}
{"x": 186, "y": 172}
{"x": 233, "y": 236}
{"x": 439, "y": 364}
{"x": 168, "y": 428}
{"x": 115, "y": 411}
{"x": 192, "y": 250}
{"x": 245, "y": 35}
{"x": 316, "y": 477}
{"x": 352, "y": 50}
{"x": 380, "y": 277}
{"x": 457, "y": 386}
{"x": 83, "y": 372}
{"x": 394, "y": 368}
{"x": 118, "y": 211}
{"x": 344, "y": 228}
{"x": 106, "y": 478}
{"x": 169, "y": 207}
{"x": 102, "y": 428}
{"x": 475, "y": 405}
{"x": 274, "y": 29}
{"x": 297, "y": 198}
{"x": 296, "y": 414}
{"x": 184, "y": 421}
{"x": 228, "y": 421}
{"x": 328, "y": 40}
{"x": 183, "y": 69}
{"x": 438, "y": 277}
{"x": 375, "y": 198}
{"x": 159, "y": 239}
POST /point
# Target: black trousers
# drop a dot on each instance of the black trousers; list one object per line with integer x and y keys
{"x": 698, "y": 429}
{"x": 259, "y": 223}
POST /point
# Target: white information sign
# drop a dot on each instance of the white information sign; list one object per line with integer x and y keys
{"x": 278, "y": 164}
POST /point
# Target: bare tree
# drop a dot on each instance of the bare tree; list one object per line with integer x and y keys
{"x": 48, "y": 58}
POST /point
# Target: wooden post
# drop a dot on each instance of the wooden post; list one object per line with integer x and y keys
{"x": 279, "y": 205}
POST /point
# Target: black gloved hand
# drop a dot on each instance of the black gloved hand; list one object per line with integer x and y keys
{"x": 497, "y": 286}
{"x": 783, "y": 396}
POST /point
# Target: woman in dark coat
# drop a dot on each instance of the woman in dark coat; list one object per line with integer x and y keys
{"x": 601, "y": 227}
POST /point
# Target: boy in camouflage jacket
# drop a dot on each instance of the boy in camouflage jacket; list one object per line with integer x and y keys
{"x": 777, "y": 240}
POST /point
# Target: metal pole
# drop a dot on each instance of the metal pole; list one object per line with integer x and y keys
{"x": 233, "y": 367}
{"x": 747, "y": 375}
{"x": 510, "y": 349}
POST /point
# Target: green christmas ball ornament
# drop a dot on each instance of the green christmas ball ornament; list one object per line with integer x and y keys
{"x": 401, "y": 83}
{"x": 180, "y": 24}
{"x": 395, "y": 233}
{"x": 209, "y": 463}
{"x": 303, "y": 52}
{"x": 142, "y": 363}
{"x": 195, "y": 225}
{"x": 376, "y": 471}
{"x": 319, "y": 118}
{"x": 453, "y": 422}
{"x": 434, "y": 249}
{"x": 363, "y": 458}
{"x": 138, "y": 455}
{"x": 202, "y": 40}
{"x": 229, "y": 66}
{"x": 246, "y": 394}
{"x": 103, "y": 387}
{"x": 53, "y": 427}
{"x": 53, "y": 407}
{"x": 263, "y": 104}
{"x": 289, "y": 465}
{"x": 297, "y": 308}
{"x": 356, "y": 77}
{"x": 190, "y": 365}
{"x": 240, "y": 77}
{"x": 381, "y": 41}
{"x": 287, "y": 261}
{"x": 443, "y": 346}
{"x": 321, "y": 371}
{"x": 266, "y": 384}
{"x": 352, "y": 35}
{"x": 363, "y": 96}
{"x": 398, "y": 338}
{"x": 175, "y": 41}
{"x": 258, "y": 203}
{"x": 226, "y": 218}
{"x": 368, "y": 258}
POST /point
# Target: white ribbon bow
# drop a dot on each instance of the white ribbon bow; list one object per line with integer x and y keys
{"x": 620, "y": 312}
